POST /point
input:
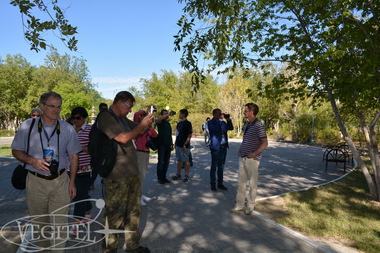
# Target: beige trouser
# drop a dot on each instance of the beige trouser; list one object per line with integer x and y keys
{"x": 143, "y": 161}
{"x": 248, "y": 174}
{"x": 48, "y": 199}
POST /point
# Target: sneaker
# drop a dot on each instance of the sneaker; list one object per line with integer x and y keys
{"x": 145, "y": 198}
{"x": 161, "y": 181}
{"x": 167, "y": 181}
{"x": 140, "y": 249}
{"x": 247, "y": 211}
{"x": 186, "y": 179}
{"x": 222, "y": 187}
{"x": 213, "y": 188}
{"x": 237, "y": 209}
{"x": 86, "y": 219}
{"x": 177, "y": 177}
{"x": 142, "y": 202}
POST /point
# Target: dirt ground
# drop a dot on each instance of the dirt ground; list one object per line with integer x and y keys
{"x": 275, "y": 208}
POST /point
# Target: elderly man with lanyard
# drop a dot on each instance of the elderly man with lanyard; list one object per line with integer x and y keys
{"x": 54, "y": 147}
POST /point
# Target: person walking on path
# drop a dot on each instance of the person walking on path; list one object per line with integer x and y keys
{"x": 164, "y": 150}
{"x": 122, "y": 186}
{"x": 250, "y": 153}
{"x": 143, "y": 150}
{"x": 205, "y": 132}
{"x": 217, "y": 129}
{"x": 54, "y": 148}
{"x": 182, "y": 145}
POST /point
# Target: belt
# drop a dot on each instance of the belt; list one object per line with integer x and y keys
{"x": 48, "y": 177}
{"x": 145, "y": 151}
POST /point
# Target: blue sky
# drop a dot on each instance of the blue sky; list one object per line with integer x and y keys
{"x": 122, "y": 40}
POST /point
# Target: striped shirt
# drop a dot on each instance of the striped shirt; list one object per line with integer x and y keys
{"x": 253, "y": 133}
{"x": 83, "y": 136}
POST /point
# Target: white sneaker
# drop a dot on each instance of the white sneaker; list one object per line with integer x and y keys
{"x": 145, "y": 198}
{"x": 142, "y": 202}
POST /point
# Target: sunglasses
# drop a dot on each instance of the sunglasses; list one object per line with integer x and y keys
{"x": 35, "y": 115}
{"x": 76, "y": 118}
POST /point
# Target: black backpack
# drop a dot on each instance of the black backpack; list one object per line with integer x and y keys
{"x": 103, "y": 150}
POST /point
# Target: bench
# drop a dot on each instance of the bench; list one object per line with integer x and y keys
{"x": 336, "y": 154}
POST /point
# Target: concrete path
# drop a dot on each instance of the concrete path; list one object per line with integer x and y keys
{"x": 188, "y": 217}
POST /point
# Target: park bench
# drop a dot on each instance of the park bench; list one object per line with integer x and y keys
{"x": 338, "y": 154}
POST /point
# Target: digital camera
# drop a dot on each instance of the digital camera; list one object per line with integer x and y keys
{"x": 53, "y": 167}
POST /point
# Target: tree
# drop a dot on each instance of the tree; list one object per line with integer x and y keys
{"x": 34, "y": 27}
{"x": 233, "y": 97}
{"x": 15, "y": 75}
{"x": 21, "y": 85}
{"x": 332, "y": 47}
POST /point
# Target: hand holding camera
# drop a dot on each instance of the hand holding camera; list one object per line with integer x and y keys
{"x": 53, "y": 167}
{"x": 226, "y": 115}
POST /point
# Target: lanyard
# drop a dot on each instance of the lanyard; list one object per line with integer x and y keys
{"x": 47, "y": 136}
{"x": 122, "y": 121}
{"x": 56, "y": 129}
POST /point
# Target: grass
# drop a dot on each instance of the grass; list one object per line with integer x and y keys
{"x": 342, "y": 211}
{"x": 5, "y": 151}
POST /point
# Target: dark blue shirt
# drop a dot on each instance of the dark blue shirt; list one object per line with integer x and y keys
{"x": 217, "y": 130}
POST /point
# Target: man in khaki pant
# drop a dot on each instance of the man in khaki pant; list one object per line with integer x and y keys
{"x": 254, "y": 143}
{"x": 53, "y": 147}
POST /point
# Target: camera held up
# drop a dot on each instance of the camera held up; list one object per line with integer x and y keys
{"x": 226, "y": 115}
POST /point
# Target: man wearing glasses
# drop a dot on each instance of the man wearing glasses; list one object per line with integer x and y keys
{"x": 53, "y": 148}
{"x": 122, "y": 186}
{"x": 254, "y": 143}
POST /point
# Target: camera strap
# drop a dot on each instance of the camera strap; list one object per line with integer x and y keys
{"x": 56, "y": 129}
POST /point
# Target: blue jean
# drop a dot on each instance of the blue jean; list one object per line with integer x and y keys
{"x": 83, "y": 186}
{"x": 164, "y": 152}
{"x": 218, "y": 159}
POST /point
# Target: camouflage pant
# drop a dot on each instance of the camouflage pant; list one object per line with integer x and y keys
{"x": 122, "y": 210}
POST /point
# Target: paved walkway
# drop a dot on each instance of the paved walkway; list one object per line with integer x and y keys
{"x": 188, "y": 217}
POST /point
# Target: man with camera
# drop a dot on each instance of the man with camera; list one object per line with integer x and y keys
{"x": 54, "y": 147}
{"x": 122, "y": 192}
{"x": 164, "y": 150}
{"x": 143, "y": 143}
{"x": 218, "y": 145}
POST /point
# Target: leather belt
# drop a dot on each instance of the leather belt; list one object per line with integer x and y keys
{"x": 48, "y": 177}
{"x": 145, "y": 151}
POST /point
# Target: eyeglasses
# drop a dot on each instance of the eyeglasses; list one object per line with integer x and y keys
{"x": 54, "y": 107}
{"x": 129, "y": 106}
{"x": 76, "y": 118}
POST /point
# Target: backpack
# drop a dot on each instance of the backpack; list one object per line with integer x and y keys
{"x": 103, "y": 150}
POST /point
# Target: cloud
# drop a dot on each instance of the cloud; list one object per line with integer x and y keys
{"x": 116, "y": 80}
{"x": 109, "y": 86}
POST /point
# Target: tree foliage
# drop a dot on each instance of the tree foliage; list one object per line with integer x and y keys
{"x": 21, "y": 85}
{"x": 50, "y": 18}
{"x": 332, "y": 47}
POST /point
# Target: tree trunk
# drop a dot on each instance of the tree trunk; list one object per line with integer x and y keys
{"x": 374, "y": 191}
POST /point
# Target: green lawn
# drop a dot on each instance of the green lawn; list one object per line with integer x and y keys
{"x": 342, "y": 211}
{"x": 5, "y": 151}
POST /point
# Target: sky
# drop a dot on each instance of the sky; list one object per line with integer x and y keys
{"x": 121, "y": 40}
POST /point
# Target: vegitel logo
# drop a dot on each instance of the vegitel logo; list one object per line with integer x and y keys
{"x": 55, "y": 231}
